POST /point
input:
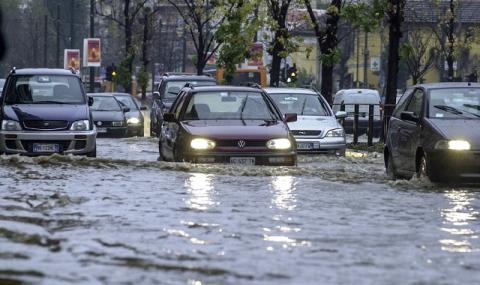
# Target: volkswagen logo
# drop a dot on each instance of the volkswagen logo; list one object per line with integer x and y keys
{"x": 99, "y": 123}
{"x": 46, "y": 124}
{"x": 302, "y": 133}
{"x": 241, "y": 143}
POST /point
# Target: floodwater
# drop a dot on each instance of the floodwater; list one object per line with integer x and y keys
{"x": 125, "y": 218}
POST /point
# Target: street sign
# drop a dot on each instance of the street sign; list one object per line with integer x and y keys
{"x": 375, "y": 63}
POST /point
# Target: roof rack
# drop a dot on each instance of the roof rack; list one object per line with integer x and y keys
{"x": 251, "y": 84}
{"x": 13, "y": 70}
{"x": 189, "y": 85}
{"x": 178, "y": 73}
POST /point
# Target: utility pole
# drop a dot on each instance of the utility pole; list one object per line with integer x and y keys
{"x": 357, "y": 84}
{"x": 184, "y": 49}
{"x": 72, "y": 26}
{"x": 57, "y": 59}
{"x": 45, "y": 40}
{"x": 365, "y": 62}
{"x": 92, "y": 34}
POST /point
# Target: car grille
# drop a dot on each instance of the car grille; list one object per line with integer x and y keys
{"x": 306, "y": 133}
{"x": 45, "y": 125}
{"x": 236, "y": 143}
{"x": 103, "y": 124}
{"x": 28, "y": 144}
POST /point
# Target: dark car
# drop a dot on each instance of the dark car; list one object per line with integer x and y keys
{"x": 222, "y": 124}
{"x": 435, "y": 131}
{"x": 135, "y": 120}
{"x": 46, "y": 111}
{"x": 168, "y": 89}
{"x": 109, "y": 115}
{"x": 2, "y": 83}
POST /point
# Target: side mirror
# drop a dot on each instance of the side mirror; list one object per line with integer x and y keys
{"x": 125, "y": 109}
{"x": 156, "y": 95}
{"x": 143, "y": 108}
{"x": 90, "y": 101}
{"x": 290, "y": 117}
{"x": 341, "y": 115}
{"x": 169, "y": 117}
{"x": 409, "y": 116}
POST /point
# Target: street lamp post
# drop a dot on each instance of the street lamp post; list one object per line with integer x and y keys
{"x": 92, "y": 34}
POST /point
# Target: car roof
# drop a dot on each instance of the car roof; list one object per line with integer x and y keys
{"x": 275, "y": 90}
{"x": 224, "y": 88}
{"x": 180, "y": 77}
{"x": 44, "y": 71}
{"x": 359, "y": 91}
{"x": 440, "y": 85}
{"x": 101, "y": 94}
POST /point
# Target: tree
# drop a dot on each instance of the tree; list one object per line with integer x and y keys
{"x": 418, "y": 54}
{"x": 203, "y": 20}
{"x": 283, "y": 43}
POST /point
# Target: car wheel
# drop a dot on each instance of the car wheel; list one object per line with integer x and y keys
{"x": 425, "y": 170}
{"x": 93, "y": 153}
{"x": 160, "y": 155}
{"x": 390, "y": 168}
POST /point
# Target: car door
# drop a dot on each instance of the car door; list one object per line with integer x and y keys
{"x": 394, "y": 128}
{"x": 409, "y": 132}
{"x": 169, "y": 130}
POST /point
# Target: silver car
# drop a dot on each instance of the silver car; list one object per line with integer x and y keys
{"x": 317, "y": 129}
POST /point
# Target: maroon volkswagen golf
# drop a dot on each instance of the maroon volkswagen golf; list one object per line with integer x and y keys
{"x": 223, "y": 124}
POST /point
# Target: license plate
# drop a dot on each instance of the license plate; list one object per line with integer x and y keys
{"x": 242, "y": 160}
{"x": 307, "y": 145}
{"x": 101, "y": 130}
{"x": 46, "y": 147}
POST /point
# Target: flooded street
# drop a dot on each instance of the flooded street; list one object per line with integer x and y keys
{"x": 125, "y": 218}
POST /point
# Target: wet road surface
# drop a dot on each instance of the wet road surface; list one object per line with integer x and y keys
{"x": 125, "y": 218}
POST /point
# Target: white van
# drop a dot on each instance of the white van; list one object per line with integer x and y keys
{"x": 348, "y": 98}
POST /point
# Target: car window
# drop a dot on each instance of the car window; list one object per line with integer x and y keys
{"x": 43, "y": 89}
{"x": 178, "y": 108}
{"x": 402, "y": 104}
{"x": 301, "y": 104}
{"x": 127, "y": 101}
{"x": 174, "y": 86}
{"x": 105, "y": 103}
{"x": 416, "y": 103}
{"x": 454, "y": 103}
{"x": 229, "y": 105}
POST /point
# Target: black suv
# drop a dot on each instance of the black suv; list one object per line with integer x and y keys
{"x": 168, "y": 88}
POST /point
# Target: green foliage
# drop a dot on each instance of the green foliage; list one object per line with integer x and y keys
{"x": 124, "y": 75}
{"x": 143, "y": 77}
{"x": 364, "y": 16}
{"x": 331, "y": 58}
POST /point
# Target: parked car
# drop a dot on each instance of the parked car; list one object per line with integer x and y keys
{"x": 135, "y": 120}
{"x": 46, "y": 111}
{"x": 168, "y": 89}
{"x": 345, "y": 100}
{"x": 316, "y": 129}
{"x": 224, "y": 124}
{"x": 109, "y": 115}
{"x": 435, "y": 131}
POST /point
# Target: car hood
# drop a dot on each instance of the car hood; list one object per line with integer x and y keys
{"x": 50, "y": 112}
{"x": 459, "y": 129}
{"x": 235, "y": 129}
{"x": 108, "y": 116}
{"x": 314, "y": 123}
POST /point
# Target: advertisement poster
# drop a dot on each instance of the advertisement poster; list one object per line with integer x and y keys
{"x": 71, "y": 59}
{"x": 256, "y": 55}
{"x": 91, "y": 52}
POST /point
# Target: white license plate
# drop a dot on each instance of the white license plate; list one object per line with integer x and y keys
{"x": 242, "y": 160}
{"x": 37, "y": 147}
{"x": 101, "y": 130}
{"x": 307, "y": 145}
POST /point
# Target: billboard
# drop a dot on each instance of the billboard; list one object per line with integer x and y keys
{"x": 255, "y": 52}
{"x": 91, "y": 52}
{"x": 71, "y": 59}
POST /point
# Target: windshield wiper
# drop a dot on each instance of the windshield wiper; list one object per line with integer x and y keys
{"x": 455, "y": 111}
{"x": 50, "y": 102}
{"x": 472, "y": 106}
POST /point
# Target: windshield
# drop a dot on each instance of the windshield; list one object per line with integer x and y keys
{"x": 104, "y": 103}
{"x": 454, "y": 103}
{"x": 301, "y": 104}
{"x": 44, "y": 89}
{"x": 229, "y": 106}
{"x": 173, "y": 87}
{"x": 127, "y": 101}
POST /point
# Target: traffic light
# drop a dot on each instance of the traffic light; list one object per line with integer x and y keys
{"x": 292, "y": 74}
{"x": 111, "y": 72}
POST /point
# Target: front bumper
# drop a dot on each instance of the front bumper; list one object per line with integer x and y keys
{"x": 327, "y": 145}
{"x": 134, "y": 130}
{"x": 70, "y": 142}
{"x": 455, "y": 164}
{"x": 115, "y": 132}
{"x": 264, "y": 158}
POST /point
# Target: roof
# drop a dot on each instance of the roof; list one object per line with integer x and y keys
{"x": 359, "y": 91}
{"x": 220, "y": 88}
{"x": 440, "y": 85}
{"x": 44, "y": 71}
{"x": 180, "y": 77}
{"x": 272, "y": 90}
{"x": 429, "y": 12}
{"x": 100, "y": 94}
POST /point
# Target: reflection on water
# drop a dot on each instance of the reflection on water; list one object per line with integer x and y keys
{"x": 283, "y": 190}
{"x": 200, "y": 189}
{"x": 457, "y": 219}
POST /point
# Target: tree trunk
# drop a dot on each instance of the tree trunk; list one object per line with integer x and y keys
{"x": 327, "y": 82}
{"x": 145, "y": 42}
{"x": 395, "y": 33}
{"x": 128, "y": 41}
{"x": 275, "y": 69}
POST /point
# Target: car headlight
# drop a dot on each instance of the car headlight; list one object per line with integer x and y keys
{"x": 83, "y": 125}
{"x": 133, "y": 121}
{"x": 335, "y": 133}
{"x": 202, "y": 144}
{"x": 453, "y": 145}
{"x": 117, "y": 123}
{"x": 10, "y": 125}
{"x": 279, "y": 144}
